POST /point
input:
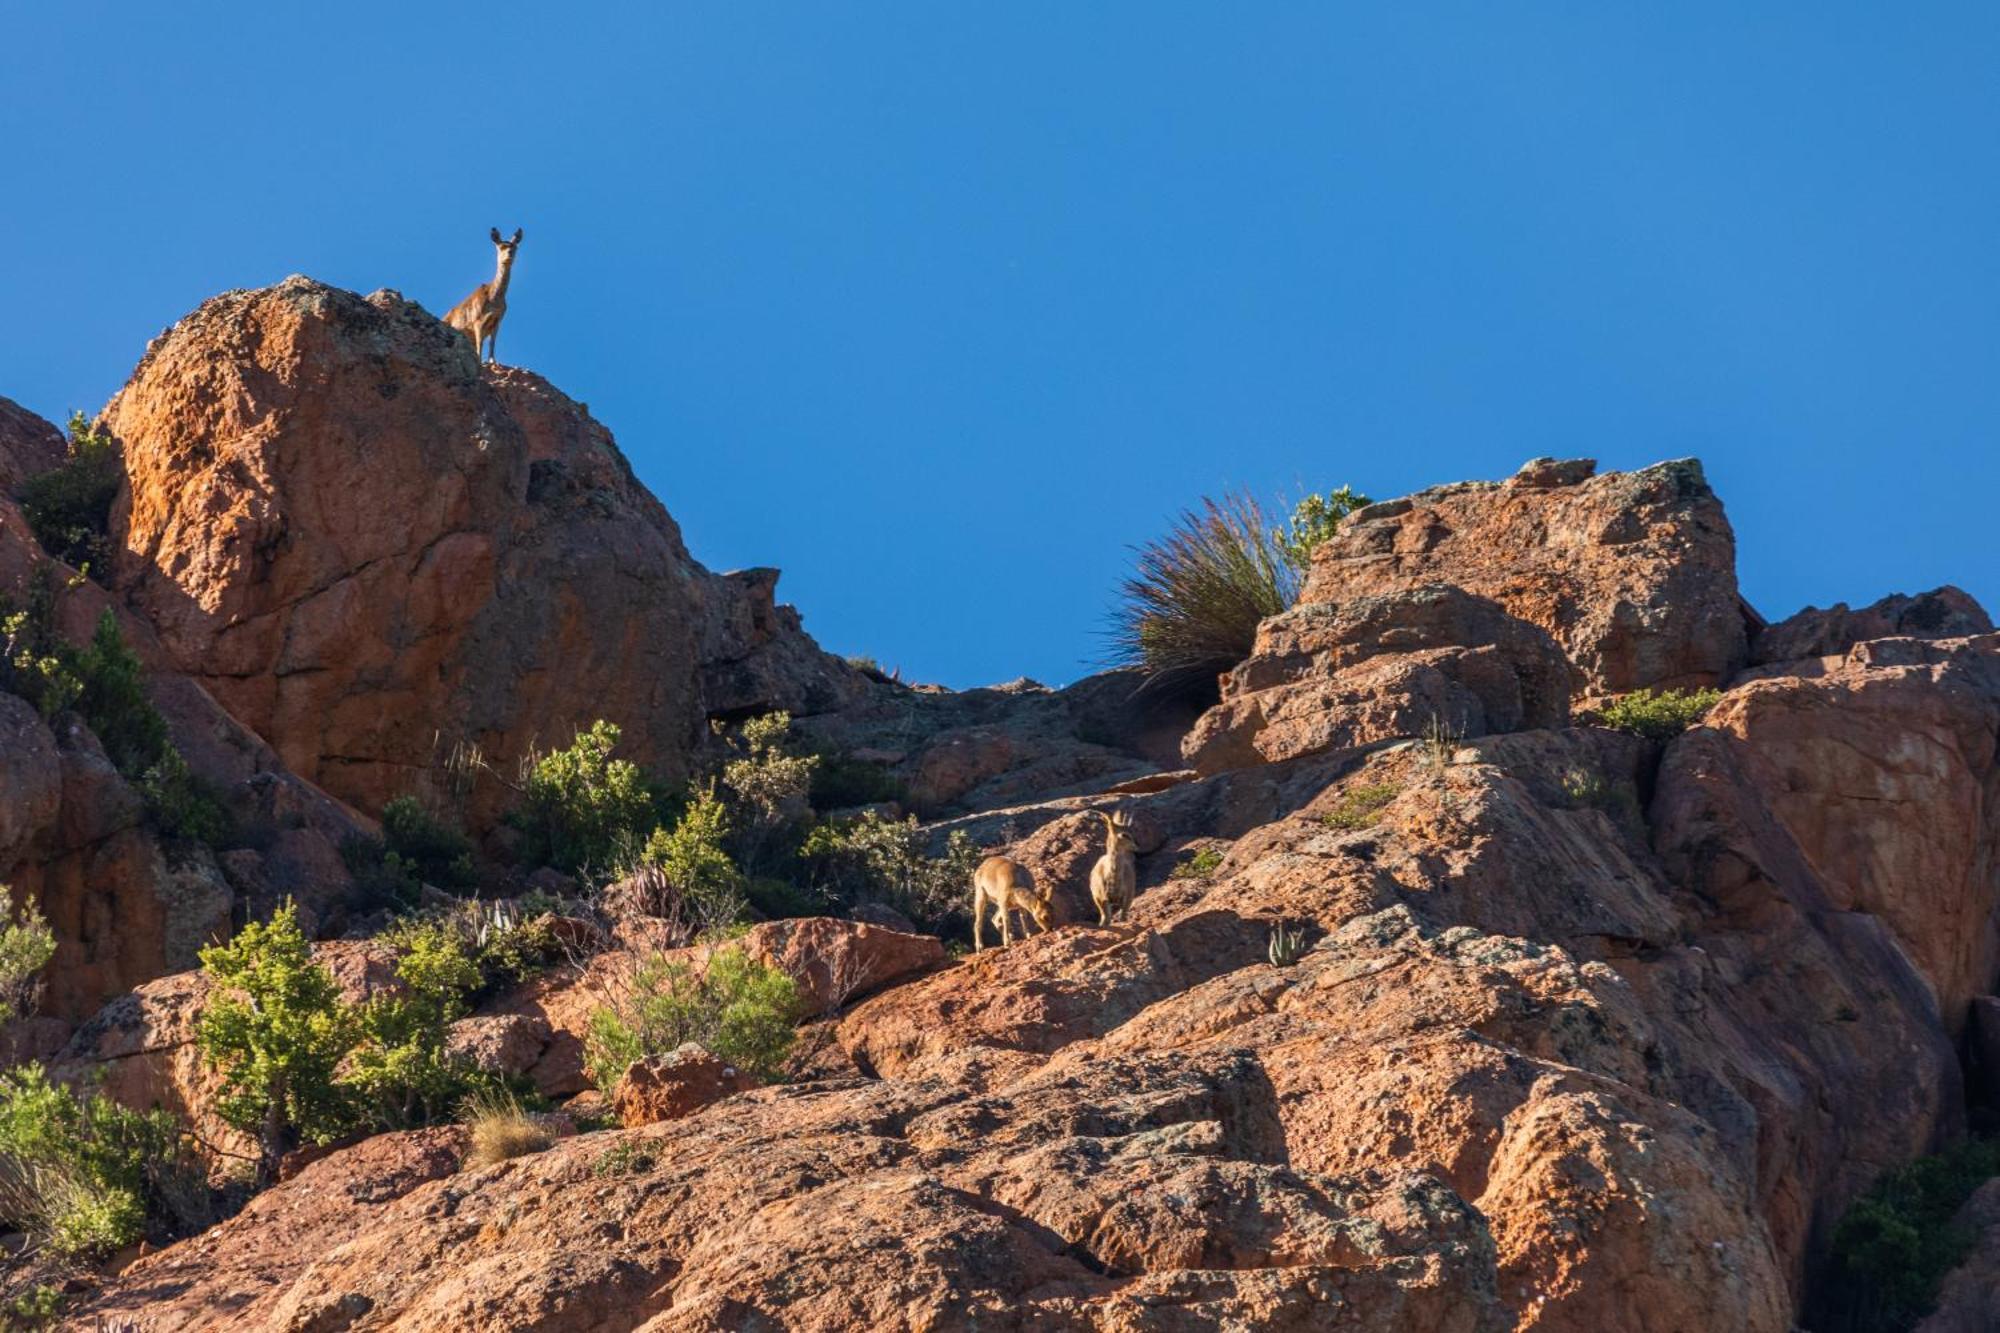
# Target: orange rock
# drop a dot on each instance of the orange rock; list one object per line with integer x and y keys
{"x": 681, "y": 1082}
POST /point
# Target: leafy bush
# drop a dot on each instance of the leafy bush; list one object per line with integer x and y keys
{"x": 1314, "y": 519}
{"x": 768, "y": 782}
{"x": 1190, "y": 609}
{"x": 1896, "y": 1243}
{"x": 873, "y": 859}
{"x": 737, "y": 1008}
{"x": 1360, "y": 807}
{"x": 685, "y": 873}
{"x": 68, "y": 508}
{"x": 84, "y": 1175}
{"x": 105, "y": 683}
{"x": 433, "y": 850}
{"x": 841, "y": 782}
{"x": 278, "y": 1030}
{"x": 584, "y": 810}
{"x": 397, "y": 1074}
{"x": 1658, "y": 717}
{"x": 26, "y": 945}
{"x": 1199, "y": 864}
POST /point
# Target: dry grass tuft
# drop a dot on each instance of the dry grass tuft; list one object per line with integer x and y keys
{"x": 501, "y": 1130}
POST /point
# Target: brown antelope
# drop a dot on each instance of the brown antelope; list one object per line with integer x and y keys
{"x": 1114, "y": 880}
{"x": 478, "y": 315}
{"x": 1006, "y": 884}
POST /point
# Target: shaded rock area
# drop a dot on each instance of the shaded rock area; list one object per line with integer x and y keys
{"x": 1942, "y": 613}
{"x": 1333, "y": 676}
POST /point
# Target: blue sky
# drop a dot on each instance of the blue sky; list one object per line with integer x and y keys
{"x": 941, "y": 307}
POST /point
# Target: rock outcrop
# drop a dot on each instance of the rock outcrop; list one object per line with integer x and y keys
{"x": 371, "y": 550}
{"x": 1634, "y": 573}
{"x": 1335, "y": 675}
{"x": 1942, "y": 613}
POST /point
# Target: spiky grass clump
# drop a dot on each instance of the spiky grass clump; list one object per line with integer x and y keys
{"x": 501, "y": 1130}
{"x": 1190, "y": 609}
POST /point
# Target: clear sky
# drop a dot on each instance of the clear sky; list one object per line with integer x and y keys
{"x": 942, "y": 306}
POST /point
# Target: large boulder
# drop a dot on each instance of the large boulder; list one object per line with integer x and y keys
{"x": 371, "y": 549}
{"x": 1333, "y": 675}
{"x": 1634, "y": 573}
{"x": 28, "y": 445}
{"x": 679, "y": 1083}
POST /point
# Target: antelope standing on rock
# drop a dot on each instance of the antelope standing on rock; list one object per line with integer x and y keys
{"x": 1114, "y": 880}
{"x": 478, "y": 315}
{"x": 1005, "y": 883}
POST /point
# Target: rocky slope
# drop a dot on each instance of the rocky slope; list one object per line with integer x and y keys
{"x": 1583, "y": 1031}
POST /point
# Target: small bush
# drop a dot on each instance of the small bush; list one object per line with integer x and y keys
{"x": 1190, "y": 609}
{"x": 628, "y": 1157}
{"x": 1895, "y": 1244}
{"x": 34, "y": 663}
{"x": 278, "y": 1031}
{"x": 1658, "y": 717}
{"x": 872, "y": 859}
{"x": 499, "y": 1129}
{"x": 84, "y": 1175}
{"x": 1199, "y": 864}
{"x": 433, "y": 850}
{"x": 739, "y": 1009}
{"x": 26, "y": 945}
{"x": 1360, "y": 807}
{"x": 841, "y": 782}
{"x": 584, "y": 810}
{"x": 68, "y": 508}
{"x": 692, "y": 878}
{"x": 398, "y": 1074}
{"x": 1314, "y": 519}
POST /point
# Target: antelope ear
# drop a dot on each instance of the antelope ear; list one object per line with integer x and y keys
{"x": 517, "y": 237}
{"x": 496, "y": 235}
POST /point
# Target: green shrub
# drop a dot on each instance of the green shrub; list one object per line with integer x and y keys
{"x": 1895, "y": 1244}
{"x": 873, "y": 859}
{"x": 68, "y": 508}
{"x": 104, "y": 682}
{"x": 398, "y": 1074}
{"x": 685, "y": 872}
{"x": 433, "y": 850}
{"x": 1658, "y": 717}
{"x": 841, "y": 782}
{"x": 278, "y": 1031}
{"x": 582, "y": 809}
{"x": 1314, "y": 519}
{"x": 627, "y": 1157}
{"x": 1190, "y": 609}
{"x": 1199, "y": 864}
{"x": 381, "y": 879}
{"x": 739, "y": 1009}
{"x": 26, "y": 945}
{"x": 83, "y": 1174}
{"x": 1360, "y": 807}
{"x": 768, "y": 783}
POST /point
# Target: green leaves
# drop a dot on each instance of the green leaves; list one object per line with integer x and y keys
{"x": 739, "y": 1009}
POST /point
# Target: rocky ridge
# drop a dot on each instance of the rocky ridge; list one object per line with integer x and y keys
{"x": 1585, "y": 1032}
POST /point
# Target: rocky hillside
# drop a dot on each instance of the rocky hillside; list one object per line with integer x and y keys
{"x": 1442, "y": 1005}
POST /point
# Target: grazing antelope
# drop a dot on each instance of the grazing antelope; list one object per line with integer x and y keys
{"x": 1115, "y": 878}
{"x": 478, "y": 315}
{"x": 1006, "y": 884}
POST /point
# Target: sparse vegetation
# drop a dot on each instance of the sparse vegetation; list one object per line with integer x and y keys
{"x": 1190, "y": 609}
{"x": 685, "y": 873}
{"x": 628, "y": 1157}
{"x": 104, "y": 682}
{"x": 1896, "y": 1243}
{"x": 85, "y": 1176}
{"x": 739, "y": 1009}
{"x": 26, "y": 945}
{"x": 68, "y": 508}
{"x": 1360, "y": 807}
{"x": 498, "y": 1128}
{"x": 1440, "y": 743}
{"x": 873, "y": 859}
{"x": 1198, "y": 864}
{"x": 1287, "y": 945}
{"x": 1658, "y": 717}
{"x": 433, "y": 848}
{"x": 583, "y": 810}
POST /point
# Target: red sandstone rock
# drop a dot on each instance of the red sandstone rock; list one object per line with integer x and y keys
{"x": 679, "y": 1083}
{"x": 1328, "y": 676}
{"x": 1942, "y": 613}
{"x": 1634, "y": 573}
